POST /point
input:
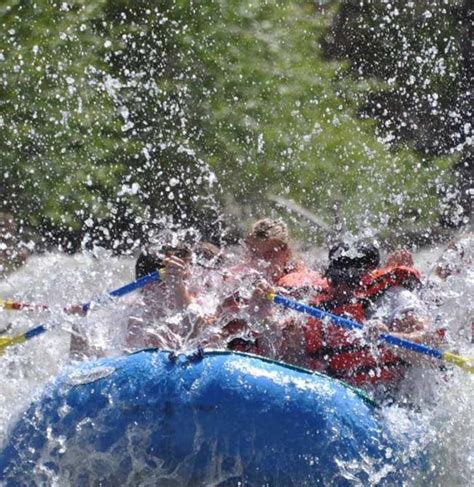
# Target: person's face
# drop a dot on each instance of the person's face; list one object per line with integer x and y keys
{"x": 272, "y": 251}
{"x": 344, "y": 279}
{"x": 451, "y": 262}
{"x": 208, "y": 259}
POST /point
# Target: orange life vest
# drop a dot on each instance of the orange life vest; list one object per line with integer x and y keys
{"x": 300, "y": 282}
{"x": 339, "y": 352}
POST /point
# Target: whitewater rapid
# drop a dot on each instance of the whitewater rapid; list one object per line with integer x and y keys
{"x": 443, "y": 401}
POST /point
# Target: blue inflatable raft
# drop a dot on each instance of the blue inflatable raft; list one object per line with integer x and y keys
{"x": 213, "y": 418}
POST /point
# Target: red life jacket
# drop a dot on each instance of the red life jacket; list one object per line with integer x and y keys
{"x": 301, "y": 282}
{"x": 337, "y": 351}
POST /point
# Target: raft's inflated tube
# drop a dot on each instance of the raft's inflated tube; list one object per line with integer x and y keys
{"x": 216, "y": 418}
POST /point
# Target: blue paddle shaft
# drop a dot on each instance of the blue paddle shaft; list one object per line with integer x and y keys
{"x": 116, "y": 293}
{"x": 35, "y": 332}
{"x": 344, "y": 322}
{"x": 122, "y": 291}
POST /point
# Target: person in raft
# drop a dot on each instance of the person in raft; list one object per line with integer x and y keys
{"x": 450, "y": 290}
{"x": 270, "y": 264}
{"x": 206, "y": 278}
{"x": 170, "y": 315}
{"x": 163, "y": 314}
{"x": 384, "y": 300}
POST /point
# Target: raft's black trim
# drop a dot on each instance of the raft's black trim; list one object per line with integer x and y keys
{"x": 242, "y": 342}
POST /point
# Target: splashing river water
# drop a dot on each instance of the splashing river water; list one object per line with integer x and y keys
{"x": 443, "y": 402}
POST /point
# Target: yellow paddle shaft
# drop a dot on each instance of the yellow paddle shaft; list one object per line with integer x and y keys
{"x": 7, "y": 341}
{"x": 465, "y": 363}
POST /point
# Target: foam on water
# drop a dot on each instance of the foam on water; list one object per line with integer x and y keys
{"x": 441, "y": 401}
{"x": 56, "y": 280}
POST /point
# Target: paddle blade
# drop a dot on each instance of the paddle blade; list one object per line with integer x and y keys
{"x": 7, "y": 304}
{"x": 11, "y": 305}
{"x": 9, "y": 341}
{"x": 466, "y": 363}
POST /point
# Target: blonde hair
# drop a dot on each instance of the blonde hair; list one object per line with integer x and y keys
{"x": 268, "y": 228}
{"x": 272, "y": 229}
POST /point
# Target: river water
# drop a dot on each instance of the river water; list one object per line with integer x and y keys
{"x": 443, "y": 400}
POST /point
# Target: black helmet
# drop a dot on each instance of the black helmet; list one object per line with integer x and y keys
{"x": 349, "y": 262}
{"x": 149, "y": 260}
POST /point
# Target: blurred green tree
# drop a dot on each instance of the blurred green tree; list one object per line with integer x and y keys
{"x": 421, "y": 52}
{"x": 119, "y": 113}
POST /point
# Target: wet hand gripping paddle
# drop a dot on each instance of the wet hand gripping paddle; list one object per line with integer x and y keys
{"x": 86, "y": 307}
{"x": 465, "y": 363}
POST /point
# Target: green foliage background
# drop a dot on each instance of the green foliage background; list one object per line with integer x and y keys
{"x": 116, "y": 113}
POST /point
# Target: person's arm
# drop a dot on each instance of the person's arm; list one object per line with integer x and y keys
{"x": 134, "y": 337}
{"x": 411, "y": 326}
{"x": 140, "y": 336}
{"x": 259, "y": 306}
{"x": 75, "y": 309}
{"x": 80, "y": 348}
{"x": 402, "y": 314}
{"x": 175, "y": 278}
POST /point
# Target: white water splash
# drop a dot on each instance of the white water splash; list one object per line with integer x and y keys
{"x": 442, "y": 402}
